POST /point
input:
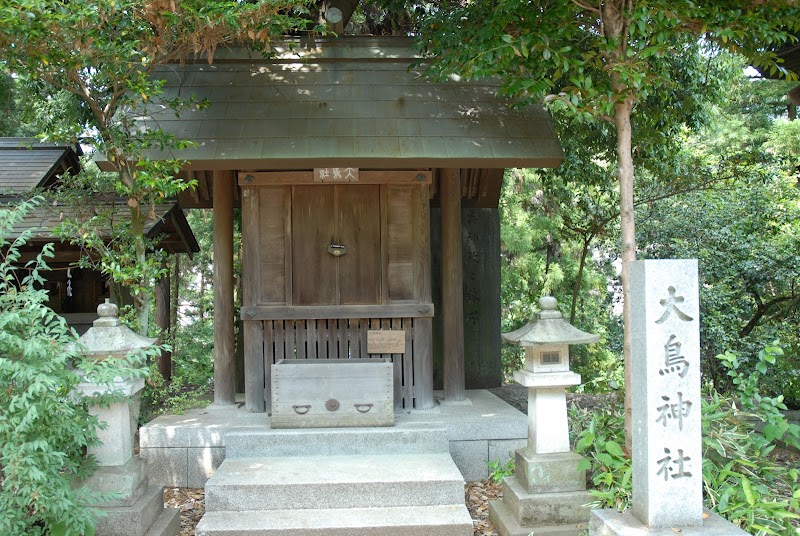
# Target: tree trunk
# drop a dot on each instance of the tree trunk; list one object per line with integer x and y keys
{"x": 141, "y": 301}
{"x": 576, "y": 289}
{"x": 615, "y": 29}
{"x": 175, "y": 299}
{"x": 622, "y": 120}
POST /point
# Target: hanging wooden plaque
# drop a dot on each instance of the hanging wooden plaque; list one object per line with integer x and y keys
{"x": 345, "y": 174}
{"x": 386, "y": 341}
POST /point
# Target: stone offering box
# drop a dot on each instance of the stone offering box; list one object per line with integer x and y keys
{"x": 328, "y": 393}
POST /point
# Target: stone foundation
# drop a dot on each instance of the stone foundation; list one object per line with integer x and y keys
{"x": 185, "y": 450}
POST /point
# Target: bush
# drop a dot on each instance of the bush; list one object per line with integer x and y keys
{"x": 43, "y": 432}
{"x": 741, "y": 481}
{"x": 45, "y": 426}
{"x": 192, "y": 377}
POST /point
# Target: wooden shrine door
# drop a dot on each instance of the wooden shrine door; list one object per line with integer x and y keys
{"x": 326, "y": 264}
{"x": 336, "y": 245}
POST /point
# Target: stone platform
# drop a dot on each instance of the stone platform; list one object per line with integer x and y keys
{"x": 614, "y": 523}
{"x": 185, "y": 450}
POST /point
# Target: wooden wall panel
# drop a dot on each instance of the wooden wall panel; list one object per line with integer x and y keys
{"x": 481, "y": 257}
{"x": 358, "y": 228}
{"x": 314, "y": 269}
{"x": 399, "y": 246}
{"x": 273, "y": 214}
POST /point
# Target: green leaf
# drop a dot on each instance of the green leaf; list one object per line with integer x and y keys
{"x": 614, "y": 449}
{"x": 605, "y": 459}
{"x": 584, "y": 465}
{"x": 748, "y": 491}
{"x": 586, "y": 440}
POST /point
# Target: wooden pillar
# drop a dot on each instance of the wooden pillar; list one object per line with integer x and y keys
{"x": 256, "y": 372}
{"x": 452, "y": 285}
{"x": 423, "y": 327}
{"x": 224, "y": 365}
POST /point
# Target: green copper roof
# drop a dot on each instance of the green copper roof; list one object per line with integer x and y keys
{"x": 349, "y": 101}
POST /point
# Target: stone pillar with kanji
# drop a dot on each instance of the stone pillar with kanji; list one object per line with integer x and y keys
{"x": 667, "y": 457}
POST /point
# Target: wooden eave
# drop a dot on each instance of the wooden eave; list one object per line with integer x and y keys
{"x": 166, "y": 221}
{"x": 346, "y": 102}
{"x": 26, "y": 164}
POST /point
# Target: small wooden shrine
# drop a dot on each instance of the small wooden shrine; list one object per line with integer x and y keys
{"x": 27, "y": 166}
{"x": 369, "y": 206}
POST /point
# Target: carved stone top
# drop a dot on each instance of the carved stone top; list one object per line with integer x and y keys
{"x": 108, "y": 313}
{"x": 549, "y": 327}
{"x": 108, "y": 337}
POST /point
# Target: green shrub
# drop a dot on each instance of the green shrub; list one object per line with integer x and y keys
{"x": 193, "y": 374}
{"x": 741, "y": 481}
{"x": 498, "y": 471}
{"x": 43, "y": 432}
{"x": 45, "y": 426}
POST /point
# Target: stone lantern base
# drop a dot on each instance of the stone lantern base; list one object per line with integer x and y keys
{"x": 137, "y": 508}
{"x": 546, "y": 496}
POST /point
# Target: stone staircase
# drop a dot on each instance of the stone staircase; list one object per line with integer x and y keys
{"x": 338, "y": 482}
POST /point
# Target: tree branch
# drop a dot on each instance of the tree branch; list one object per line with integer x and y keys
{"x": 588, "y": 7}
{"x": 761, "y": 309}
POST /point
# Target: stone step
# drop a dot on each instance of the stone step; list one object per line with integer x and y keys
{"x": 447, "y": 520}
{"x": 132, "y": 520}
{"x": 419, "y": 438}
{"x": 314, "y": 482}
{"x": 167, "y": 524}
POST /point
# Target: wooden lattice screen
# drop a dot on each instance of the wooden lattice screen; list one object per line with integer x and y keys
{"x": 341, "y": 338}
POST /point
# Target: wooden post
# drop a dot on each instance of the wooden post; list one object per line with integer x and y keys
{"x": 237, "y": 321}
{"x": 256, "y": 372}
{"x": 224, "y": 366}
{"x": 163, "y": 323}
{"x": 423, "y": 327}
{"x": 452, "y": 285}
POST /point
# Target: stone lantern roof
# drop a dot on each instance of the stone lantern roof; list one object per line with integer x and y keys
{"x": 549, "y": 328}
{"x": 108, "y": 337}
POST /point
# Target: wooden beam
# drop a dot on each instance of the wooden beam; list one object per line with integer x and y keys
{"x": 255, "y": 374}
{"x": 452, "y": 285}
{"x": 314, "y": 312}
{"x": 224, "y": 365}
{"x": 260, "y": 178}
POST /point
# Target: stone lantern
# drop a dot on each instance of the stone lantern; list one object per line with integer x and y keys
{"x": 547, "y": 491}
{"x": 137, "y": 506}
{"x": 108, "y": 337}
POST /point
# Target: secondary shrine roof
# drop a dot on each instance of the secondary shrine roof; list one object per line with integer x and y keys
{"x": 166, "y": 222}
{"x": 26, "y": 164}
{"x": 347, "y": 101}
